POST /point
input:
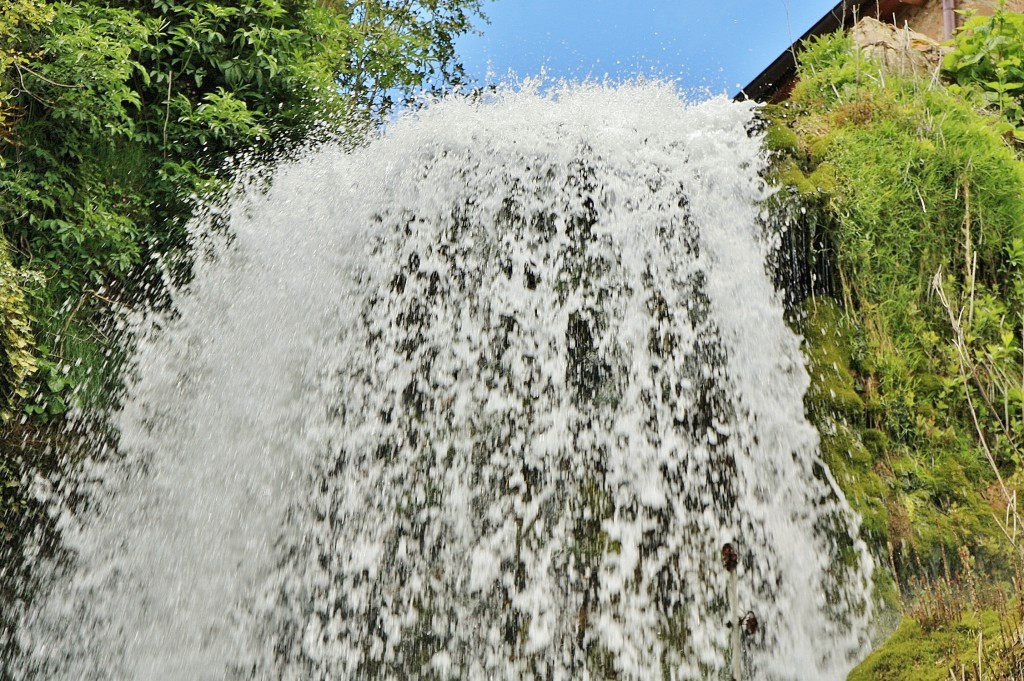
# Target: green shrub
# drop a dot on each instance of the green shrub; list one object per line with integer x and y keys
{"x": 987, "y": 62}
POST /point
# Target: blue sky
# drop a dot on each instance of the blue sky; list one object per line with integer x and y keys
{"x": 711, "y": 47}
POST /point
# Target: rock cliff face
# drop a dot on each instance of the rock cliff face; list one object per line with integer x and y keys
{"x": 901, "y": 50}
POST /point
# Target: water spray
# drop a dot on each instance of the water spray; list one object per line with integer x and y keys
{"x": 470, "y": 401}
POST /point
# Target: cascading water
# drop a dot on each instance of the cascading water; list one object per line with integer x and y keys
{"x": 482, "y": 399}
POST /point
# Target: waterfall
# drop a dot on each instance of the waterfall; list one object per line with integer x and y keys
{"x": 480, "y": 399}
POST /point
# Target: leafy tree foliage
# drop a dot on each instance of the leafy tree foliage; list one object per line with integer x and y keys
{"x": 16, "y": 18}
{"x": 115, "y": 113}
{"x": 415, "y": 36}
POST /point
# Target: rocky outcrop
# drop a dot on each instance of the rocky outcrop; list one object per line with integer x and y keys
{"x": 899, "y": 49}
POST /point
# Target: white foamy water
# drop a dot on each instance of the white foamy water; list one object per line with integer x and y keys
{"x": 482, "y": 399}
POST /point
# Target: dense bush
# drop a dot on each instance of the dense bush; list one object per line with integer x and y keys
{"x": 116, "y": 114}
{"x": 924, "y": 197}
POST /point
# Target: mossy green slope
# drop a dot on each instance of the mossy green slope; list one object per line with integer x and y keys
{"x": 915, "y": 351}
{"x": 917, "y": 188}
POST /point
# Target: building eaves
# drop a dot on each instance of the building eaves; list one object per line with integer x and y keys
{"x": 771, "y": 83}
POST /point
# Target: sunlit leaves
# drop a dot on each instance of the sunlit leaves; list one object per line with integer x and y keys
{"x": 18, "y": 18}
{"x": 399, "y": 47}
{"x": 988, "y": 55}
{"x": 924, "y": 228}
{"x": 222, "y": 115}
{"x": 17, "y": 358}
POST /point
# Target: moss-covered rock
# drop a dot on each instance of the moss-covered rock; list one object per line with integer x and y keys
{"x": 827, "y": 333}
{"x": 781, "y": 139}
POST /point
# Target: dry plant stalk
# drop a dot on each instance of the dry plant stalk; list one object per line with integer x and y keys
{"x": 968, "y": 368}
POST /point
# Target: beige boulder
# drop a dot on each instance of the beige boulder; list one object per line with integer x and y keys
{"x": 900, "y": 50}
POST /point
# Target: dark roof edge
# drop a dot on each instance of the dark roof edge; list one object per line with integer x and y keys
{"x": 780, "y": 71}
